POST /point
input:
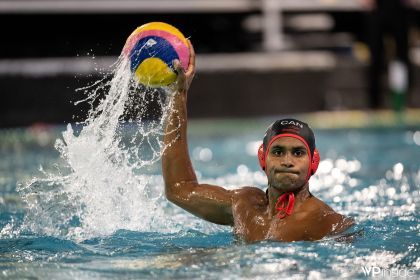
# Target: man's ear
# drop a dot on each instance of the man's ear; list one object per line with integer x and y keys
{"x": 261, "y": 157}
{"x": 315, "y": 162}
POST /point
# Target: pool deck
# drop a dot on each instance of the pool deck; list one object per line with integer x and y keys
{"x": 247, "y": 86}
{"x": 357, "y": 119}
{"x": 363, "y": 119}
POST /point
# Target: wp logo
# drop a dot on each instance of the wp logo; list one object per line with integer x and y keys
{"x": 376, "y": 271}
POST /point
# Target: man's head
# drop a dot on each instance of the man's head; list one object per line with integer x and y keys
{"x": 292, "y": 138}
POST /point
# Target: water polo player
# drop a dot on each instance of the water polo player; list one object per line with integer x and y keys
{"x": 287, "y": 211}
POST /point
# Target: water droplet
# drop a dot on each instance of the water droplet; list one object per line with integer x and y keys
{"x": 416, "y": 138}
{"x": 242, "y": 170}
{"x": 390, "y": 192}
{"x": 205, "y": 155}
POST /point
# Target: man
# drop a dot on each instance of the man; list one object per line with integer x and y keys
{"x": 287, "y": 211}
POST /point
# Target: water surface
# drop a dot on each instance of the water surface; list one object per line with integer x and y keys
{"x": 370, "y": 174}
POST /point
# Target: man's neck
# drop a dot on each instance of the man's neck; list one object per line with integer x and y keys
{"x": 273, "y": 195}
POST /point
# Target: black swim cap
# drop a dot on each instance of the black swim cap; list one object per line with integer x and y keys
{"x": 290, "y": 126}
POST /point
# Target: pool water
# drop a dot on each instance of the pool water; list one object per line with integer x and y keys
{"x": 86, "y": 200}
{"x": 75, "y": 214}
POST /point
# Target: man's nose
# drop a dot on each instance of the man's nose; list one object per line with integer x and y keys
{"x": 287, "y": 160}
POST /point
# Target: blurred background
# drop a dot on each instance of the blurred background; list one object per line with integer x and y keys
{"x": 254, "y": 57}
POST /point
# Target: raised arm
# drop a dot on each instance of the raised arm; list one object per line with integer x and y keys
{"x": 211, "y": 203}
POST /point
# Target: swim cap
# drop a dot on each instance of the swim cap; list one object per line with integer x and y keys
{"x": 291, "y": 128}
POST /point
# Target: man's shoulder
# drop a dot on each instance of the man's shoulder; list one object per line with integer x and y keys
{"x": 318, "y": 205}
{"x": 329, "y": 217}
{"x": 317, "y": 211}
{"x": 249, "y": 193}
{"x": 249, "y": 190}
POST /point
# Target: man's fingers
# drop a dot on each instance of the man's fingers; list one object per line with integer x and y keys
{"x": 177, "y": 66}
{"x": 185, "y": 76}
{"x": 192, "y": 57}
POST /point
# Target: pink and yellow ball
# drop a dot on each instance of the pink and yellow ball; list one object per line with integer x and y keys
{"x": 151, "y": 49}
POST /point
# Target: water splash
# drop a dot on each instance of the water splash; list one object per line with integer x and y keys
{"x": 104, "y": 183}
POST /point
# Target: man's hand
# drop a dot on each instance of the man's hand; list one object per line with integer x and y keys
{"x": 185, "y": 78}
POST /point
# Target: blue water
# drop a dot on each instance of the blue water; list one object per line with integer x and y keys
{"x": 59, "y": 226}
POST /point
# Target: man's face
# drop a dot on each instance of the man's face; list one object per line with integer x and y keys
{"x": 287, "y": 164}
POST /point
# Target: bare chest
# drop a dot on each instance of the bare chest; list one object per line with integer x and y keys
{"x": 255, "y": 224}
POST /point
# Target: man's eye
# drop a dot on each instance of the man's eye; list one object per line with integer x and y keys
{"x": 277, "y": 152}
{"x": 299, "y": 153}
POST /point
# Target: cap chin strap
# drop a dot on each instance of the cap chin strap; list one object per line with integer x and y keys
{"x": 283, "y": 209}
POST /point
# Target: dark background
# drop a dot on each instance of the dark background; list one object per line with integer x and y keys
{"x": 29, "y": 99}
{"x": 57, "y": 35}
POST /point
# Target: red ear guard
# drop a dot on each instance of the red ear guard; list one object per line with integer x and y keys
{"x": 314, "y": 164}
{"x": 261, "y": 156}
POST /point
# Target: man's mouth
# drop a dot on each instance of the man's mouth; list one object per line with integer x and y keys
{"x": 287, "y": 172}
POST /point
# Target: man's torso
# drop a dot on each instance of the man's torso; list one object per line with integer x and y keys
{"x": 253, "y": 222}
